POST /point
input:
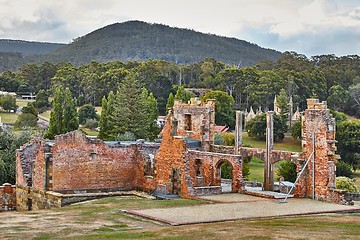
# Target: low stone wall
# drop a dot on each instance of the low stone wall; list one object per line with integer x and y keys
{"x": 7, "y": 197}
{"x": 38, "y": 199}
{"x": 204, "y": 191}
{"x": 353, "y": 196}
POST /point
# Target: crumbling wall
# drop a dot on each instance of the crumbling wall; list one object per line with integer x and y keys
{"x": 275, "y": 155}
{"x": 81, "y": 163}
{"x": 318, "y": 122}
{"x": 195, "y": 120}
{"x": 7, "y": 197}
{"x": 169, "y": 161}
{"x": 203, "y": 169}
{"x": 26, "y": 156}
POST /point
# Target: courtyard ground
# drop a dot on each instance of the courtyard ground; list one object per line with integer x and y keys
{"x": 105, "y": 219}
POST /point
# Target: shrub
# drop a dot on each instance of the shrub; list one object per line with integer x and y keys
{"x": 246, "y": 167}
{"x": 91, "y": 123}
{"x": 226, "y": 170}
{"x": 287, "y": 170}
{"x": 346, "y": 183}
{"x": 229, "y": 138}
{"x": 218, "y": 140}
{"x": 343, "y": 169}
{"x": 295, "y": 130}
{"x": 127, "y": 136}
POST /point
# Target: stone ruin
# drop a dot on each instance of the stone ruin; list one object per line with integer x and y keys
{"x": 75, "y": 167}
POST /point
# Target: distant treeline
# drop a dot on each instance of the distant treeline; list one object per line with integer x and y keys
{"x": 327, "y": 77}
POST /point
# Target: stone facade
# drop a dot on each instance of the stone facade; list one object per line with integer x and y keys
{"x": 7, "y": 197}
{"x": 318, "y": 143}
{"x": 75, "y": 167}
{"x": 48, "y": 171}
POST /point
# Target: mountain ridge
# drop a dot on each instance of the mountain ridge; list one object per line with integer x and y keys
{"x": 140, "y": 41}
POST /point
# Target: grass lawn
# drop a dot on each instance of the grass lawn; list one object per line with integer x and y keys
{"x": 357, "y": 178}
{"x": 23, "y": 102}
{"x": 8, "y": 118}
{"x": 46, "y": 114}
{"x": 89, "y": 132}
{"x": 288, "y": 144}
{"x": 104, "y": 219}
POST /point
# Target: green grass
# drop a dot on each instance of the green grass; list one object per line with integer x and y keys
{"x": 257, "y": 170}
{"x": 357, "y": 179}
{"x": 8, "y": 118}
{"x": 46, "y": 114}
{"x": 288, "y": 144}
{"x": 89, "y": 132}
{"x": 22, "y": 102}
{"x": 103, "y": 219}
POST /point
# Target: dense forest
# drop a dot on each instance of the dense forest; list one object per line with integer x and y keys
{"x": 28, "y": 48}
{"x": 136, "y": 41}
{"x": 327, "y": 77}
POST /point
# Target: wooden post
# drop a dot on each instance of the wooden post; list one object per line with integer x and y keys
{"x": 238, "y": 132}
{"x": 268, "y": 168}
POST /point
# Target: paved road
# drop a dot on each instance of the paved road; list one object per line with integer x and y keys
{"x": 240, "y": 207}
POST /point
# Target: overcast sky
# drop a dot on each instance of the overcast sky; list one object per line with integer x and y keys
{"x": 310, "y": 27}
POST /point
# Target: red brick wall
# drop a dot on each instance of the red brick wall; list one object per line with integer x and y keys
{"x": 210, "y": 169}
{"x": 170, "y": 156}
{"x": 7, "y": 197}
{"x": 80, "y": 163}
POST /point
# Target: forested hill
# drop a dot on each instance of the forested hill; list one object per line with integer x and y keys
{"x": 140, "y": 41}
{"x": 27, "y": 48}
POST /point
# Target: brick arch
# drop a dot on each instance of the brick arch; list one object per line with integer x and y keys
{"x": 218, "y": 165}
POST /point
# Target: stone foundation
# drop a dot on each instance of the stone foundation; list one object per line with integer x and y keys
{"x": 7, "y": 197}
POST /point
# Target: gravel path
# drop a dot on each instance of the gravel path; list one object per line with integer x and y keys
{"x": 239, "y": 209}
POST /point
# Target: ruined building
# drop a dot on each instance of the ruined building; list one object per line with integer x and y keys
{"x": 75, "y": 167}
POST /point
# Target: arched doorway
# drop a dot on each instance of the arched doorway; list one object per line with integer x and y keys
{"x": 224, "y": 175}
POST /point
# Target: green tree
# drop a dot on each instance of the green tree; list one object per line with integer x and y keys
{"x": 85, "y": 112}
{"x": 129, "y": 108}
{"x": 28, "y": 117}
{"x": 8, "y": 103}
{"x": 348, "y": 137}
{"x": 105, "y": 122}
{"x": 70, "y": 117}
{"x": 63, "y": 117}
{"x": 256, "y": 127}
{"x": 287, "y": 170}
{"x": 343, "y": 169}
{"x": 152, "y": 115}
{"x": 42, "y": 101}
{"x": 295, "y": 130}
{"x": 182, "y": 94}
{"x": 338, "y": 98}
{"x": 9, "y": 142}
{"x": 170, "y": 102}
{"x": 224, "y": 112}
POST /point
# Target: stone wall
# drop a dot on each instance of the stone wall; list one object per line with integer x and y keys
{"x": 317, "y": 123}
{"x": 195, "y": 120}
{"x": 203, "y": 170}
{"x": 7, "y": 197}
{"x": 82, "y": 163}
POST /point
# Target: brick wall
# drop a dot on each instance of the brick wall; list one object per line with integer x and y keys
{"x": 203, "y": 169}
{"x": 83, "y": 163}
{"x": 318, "y": 121}
{"x": 7, "y": 197}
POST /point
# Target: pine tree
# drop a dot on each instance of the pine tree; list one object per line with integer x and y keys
{"x": 170, "y": 102}
{"x": 153, "y": 113}
{"x": 63, "y": 117}
{"x": 56, "y": 116}
{"x": 103, "y": 122}
{"x": 127, "y": 115}
{"x": 70, "y": 116}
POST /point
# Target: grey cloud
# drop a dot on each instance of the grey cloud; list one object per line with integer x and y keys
{"x": 344, "y": 41}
